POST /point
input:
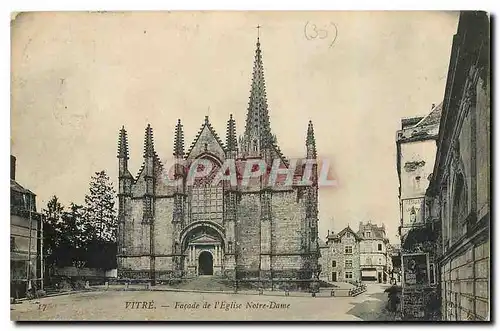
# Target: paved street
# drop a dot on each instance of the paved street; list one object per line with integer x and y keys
{"x": 174, "y": 306}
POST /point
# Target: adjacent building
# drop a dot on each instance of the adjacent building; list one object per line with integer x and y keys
{"x": 416, "y": 153}
{"x": 256, "y": 233}
{"x": 340, "y": 257}
{"x": 373, "y": 252}
{"x": 459, "y": 190}
{"x": 26, "y": 263}
{"x": 350, "y": 256}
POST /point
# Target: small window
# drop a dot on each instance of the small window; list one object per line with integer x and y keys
{"x": 348, "y": 250}
{"x": 348, "y": 275}
{"x": 334, "y": 264}
{"x": 348, "y": 264}
{"x": 348, "y": 235}
{"x": 379, "y": 247}
{"x": 368, "y": 234}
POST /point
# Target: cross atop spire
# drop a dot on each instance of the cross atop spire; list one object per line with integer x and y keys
{"x": 257, "y": 129}
{"x": 258, "y": 33}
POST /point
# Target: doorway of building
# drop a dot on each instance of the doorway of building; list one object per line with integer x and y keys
{"x": 205, "y": 264}
{"x": 334, "y": 276}
{"x": 380, "y": 277}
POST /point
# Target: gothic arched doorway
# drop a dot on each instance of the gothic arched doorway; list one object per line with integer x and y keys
{"x": 206, "y": 263}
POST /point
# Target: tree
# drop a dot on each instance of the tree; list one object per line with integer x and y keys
{"x": 100, "y": 213}
{"x": 52, "y": 230}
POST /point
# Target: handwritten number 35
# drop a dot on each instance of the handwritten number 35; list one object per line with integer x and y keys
{"x": 312, "y": 32}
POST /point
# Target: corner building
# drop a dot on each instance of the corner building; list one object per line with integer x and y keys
{"x": 256, "y": 234}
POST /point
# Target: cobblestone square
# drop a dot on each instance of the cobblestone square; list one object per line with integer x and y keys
{"x": 190, "y": 306}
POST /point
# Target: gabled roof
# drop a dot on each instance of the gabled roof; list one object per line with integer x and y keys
{"x": 348, "y": 229}
{"x": 207, "y": 125}
{"x": 339, "y": 235}
{"x": 204, "y": 239}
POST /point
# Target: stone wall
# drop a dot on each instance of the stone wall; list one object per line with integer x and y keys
{"x": 287, "y": 223}
{"x": 163, "y": 227}
{"x": 248, "y": 232}
{"x": 465, "y": 285}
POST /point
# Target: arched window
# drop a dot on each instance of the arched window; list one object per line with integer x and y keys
{"x": 206, "y": 199}
{"x": 255, "y": 147}
{"x": 459, "y": 210}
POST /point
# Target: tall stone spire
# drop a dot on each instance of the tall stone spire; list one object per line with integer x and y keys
{"x": 149, "y": 150}
{"x": 231, "y": 141}
{"x": 310, "y": 142}
{"x": 257, "y": 129}
{"x": 123, "y": 144}
{"x": 179, "y": 140}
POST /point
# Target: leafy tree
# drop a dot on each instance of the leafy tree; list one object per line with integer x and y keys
{"x": 100, "y": 213}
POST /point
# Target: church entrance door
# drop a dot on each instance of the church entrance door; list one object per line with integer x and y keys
{"x": 206, "y": 263}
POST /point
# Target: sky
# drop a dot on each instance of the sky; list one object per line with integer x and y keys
{"x": 78, "y": 77}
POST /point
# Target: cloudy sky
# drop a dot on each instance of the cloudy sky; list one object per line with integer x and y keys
{"x": 78, "y": 77}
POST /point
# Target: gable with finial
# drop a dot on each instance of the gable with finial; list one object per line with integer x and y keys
{"x": 206, "y": 141}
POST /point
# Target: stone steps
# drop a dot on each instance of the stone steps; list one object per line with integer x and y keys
{"x": 204, "y": 283}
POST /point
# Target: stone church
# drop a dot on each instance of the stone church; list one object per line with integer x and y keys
{"x": 257, "y": 233}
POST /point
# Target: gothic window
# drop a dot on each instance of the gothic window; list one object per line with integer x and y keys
{"x": 206, "y": 199}
{"x": 255, "y": 145}
{"x": 459, "y": 206}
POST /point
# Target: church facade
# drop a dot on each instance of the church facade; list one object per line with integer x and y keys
{"x": 244, "y": 230}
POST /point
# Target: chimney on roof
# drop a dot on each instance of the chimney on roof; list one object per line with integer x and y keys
{"x": 13, "y": 167}
{"x": 433, "y": 105}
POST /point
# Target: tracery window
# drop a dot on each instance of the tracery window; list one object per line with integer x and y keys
{"x": 206, "y": 199}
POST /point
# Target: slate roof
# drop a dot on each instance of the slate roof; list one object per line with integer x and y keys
{"x": 15, "y": 186}
{"x": 377, "y": 232}
{"x": 434, "y": 117}
{"x": 322, "y": 244}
